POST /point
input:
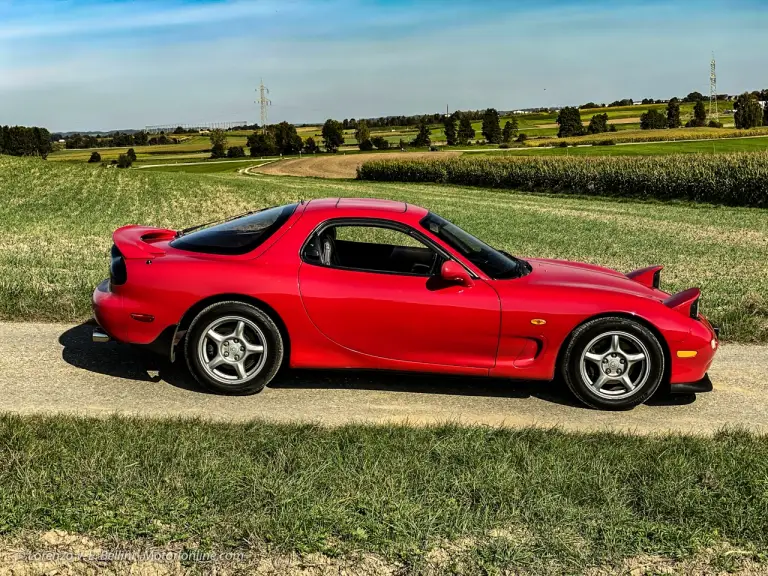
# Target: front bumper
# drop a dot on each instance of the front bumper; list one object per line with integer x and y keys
{"x": 703, "y": 385}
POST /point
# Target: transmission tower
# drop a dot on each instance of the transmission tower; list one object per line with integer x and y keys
{"x": 263, "y": 101}
{"x": 713, "y": 90}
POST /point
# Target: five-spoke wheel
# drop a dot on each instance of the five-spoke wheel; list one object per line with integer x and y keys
{"x": 613, "y": 363}
{"x": 234, "y": 348}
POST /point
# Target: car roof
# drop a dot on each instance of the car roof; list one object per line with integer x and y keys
{"x": 365, "y": 207}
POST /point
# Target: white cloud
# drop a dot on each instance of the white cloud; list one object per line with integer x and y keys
{"x": 142, "y": 16}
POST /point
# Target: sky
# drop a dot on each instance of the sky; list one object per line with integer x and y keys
{"x": 115, "y": 64}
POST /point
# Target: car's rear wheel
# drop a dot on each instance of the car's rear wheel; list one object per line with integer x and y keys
{"x": 613, "y": 363}
{"x": 233, "y": 348}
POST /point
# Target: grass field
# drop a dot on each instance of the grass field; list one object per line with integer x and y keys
{"x": 652, "y": 136}
{"x": 536, "y": 125}
{"x": 722, "y": 145}
{"x": 210, "y": 167}
{"x": 453, "y": 499}
{"x": 56, "y": 222}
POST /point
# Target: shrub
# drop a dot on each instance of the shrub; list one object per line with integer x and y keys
{"x": 366, "y": 145}
{"x": 503, "y": 145}
{"x": 218, "y": 143}
{"x": 236, "y": 152}
{"x": 715, "y": 124}
{"x": 131, "y": 154}
{"x": 262, "y": 144}
{"x": 310, "y": 146}
{"x": 218, "y": 151}
{"x": 598, "y": 124}
{"x": 569, "y": 122}
{"x": 739, "y": 179}
{"x": 95, "y": 157}
{"x": 563, "y": 144}
{"x": 748, "y": 114}
{"x": 605, "y": 143}
{"x": 522, "y": 137}
{"x": 653, "y": 120}
{"x": 380, "y": 142}
{"x": 124, "y": 161}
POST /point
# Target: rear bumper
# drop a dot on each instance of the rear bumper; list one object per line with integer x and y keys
{"x": 113, "y": 313}
{"x": 703, "y": 385}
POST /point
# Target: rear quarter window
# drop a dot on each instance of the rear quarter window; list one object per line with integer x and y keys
{"x": 238, "y": 236}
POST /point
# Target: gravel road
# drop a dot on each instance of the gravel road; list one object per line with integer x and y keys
{"x": 46, "y": 368}
{"x": 339, "y": 165}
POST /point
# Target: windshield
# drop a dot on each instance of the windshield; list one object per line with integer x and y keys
{"x": 492, "y": 262}
{"x": 236, "y": 236}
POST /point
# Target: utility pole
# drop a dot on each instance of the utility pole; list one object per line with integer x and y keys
{"x": 713, "y": 90}
{"x": 263, "y": 102}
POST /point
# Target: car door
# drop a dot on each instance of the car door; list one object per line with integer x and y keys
{"x": 383, "y": 297}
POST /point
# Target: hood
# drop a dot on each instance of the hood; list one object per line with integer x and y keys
{"x": 563, "y": 273}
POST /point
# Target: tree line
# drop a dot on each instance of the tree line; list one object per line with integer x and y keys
{"x": 695, "y": 96}
{"x": 25, "y": 141}
{"x": 748, "y": 114}
{"x": 114, "y": 140}
{"x": 409, "y": 121}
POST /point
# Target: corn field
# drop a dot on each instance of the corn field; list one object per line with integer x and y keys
{"x": 738, "y": 179}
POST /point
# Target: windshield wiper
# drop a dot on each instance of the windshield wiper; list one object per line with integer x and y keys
{"x": 185, "y": 231}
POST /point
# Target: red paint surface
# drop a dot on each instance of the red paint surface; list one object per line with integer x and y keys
{"x": 350, "y": 319}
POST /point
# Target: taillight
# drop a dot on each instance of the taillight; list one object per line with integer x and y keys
{"x": 695, "y": 309}
{"x": 118, "y": 273}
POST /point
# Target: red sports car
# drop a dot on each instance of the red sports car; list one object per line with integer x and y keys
{"x": 379, "y": 284}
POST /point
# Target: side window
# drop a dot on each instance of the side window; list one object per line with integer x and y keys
{"x": 376, "y": 235}
{"x": 372, "y": 248}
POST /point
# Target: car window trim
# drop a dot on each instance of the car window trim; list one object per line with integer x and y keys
{"x": 381, "y": 223}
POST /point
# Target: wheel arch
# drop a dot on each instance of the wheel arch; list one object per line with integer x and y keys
{"x": 627, "y": 316}
{"x": 195, "y": 309}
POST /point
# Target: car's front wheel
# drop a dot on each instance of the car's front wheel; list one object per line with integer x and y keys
{"x": 613, "y": 363}
{"x": 233, "y": 348}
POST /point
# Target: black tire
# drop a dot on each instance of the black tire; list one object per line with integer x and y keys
{"x": 582, "y": 374}
{"x": 260, "y": 329}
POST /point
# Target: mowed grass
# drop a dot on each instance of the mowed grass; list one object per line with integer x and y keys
{"x": 723, "y": 145}
{"x": 56, "y": 222}
{"x": 471, "y": 500}
{"x": 209, "y": 167}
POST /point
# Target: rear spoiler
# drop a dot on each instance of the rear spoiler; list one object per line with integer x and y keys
{"x": 649, "y": 277}
{"x": 685, "y": 302}
{"x": 137, "y": 241}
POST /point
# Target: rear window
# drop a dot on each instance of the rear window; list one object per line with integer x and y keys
{"x": 237, "y": 236}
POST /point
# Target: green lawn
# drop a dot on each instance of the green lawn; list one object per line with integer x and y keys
{"x": 207, "y": 167}
{"x": 453, "y": 499}
{"x": 56, "y": 222}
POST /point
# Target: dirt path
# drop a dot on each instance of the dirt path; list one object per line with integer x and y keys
{"x": 48, "y": 368}
{"x": 339, "y": 165}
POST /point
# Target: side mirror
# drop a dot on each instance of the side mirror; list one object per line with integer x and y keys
{"x": 456, "y": 274}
